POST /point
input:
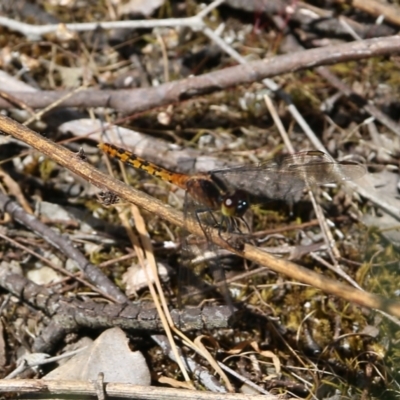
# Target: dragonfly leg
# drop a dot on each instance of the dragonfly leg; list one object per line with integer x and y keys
{"x": 215, "y": 266}
{"x": 234, "y": 239}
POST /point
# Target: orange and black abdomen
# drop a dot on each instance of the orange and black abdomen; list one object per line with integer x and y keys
{"x": 200, "y": 186}
{"x": 137, "y": 162}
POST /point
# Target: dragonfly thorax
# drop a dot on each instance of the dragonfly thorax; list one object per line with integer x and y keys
{"x": 202, "y": 189}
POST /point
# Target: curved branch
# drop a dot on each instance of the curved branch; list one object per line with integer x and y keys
{"x": 137, "y": 100}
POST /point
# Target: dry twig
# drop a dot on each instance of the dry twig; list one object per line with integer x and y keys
{"x": 137, "y": 100}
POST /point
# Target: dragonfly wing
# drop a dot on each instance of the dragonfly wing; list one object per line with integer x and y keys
{"x": 266, "y": 184}
{"x": 286, "y": 177}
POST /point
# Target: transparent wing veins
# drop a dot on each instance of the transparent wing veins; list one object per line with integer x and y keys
{"x": 284, "y": 178}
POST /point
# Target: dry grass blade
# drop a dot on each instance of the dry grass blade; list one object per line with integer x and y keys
{"x": 117, "y": 390}
{"x": 144, "y": 251}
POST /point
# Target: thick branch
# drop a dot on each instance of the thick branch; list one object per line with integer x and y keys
{"x": 136, "y": 100}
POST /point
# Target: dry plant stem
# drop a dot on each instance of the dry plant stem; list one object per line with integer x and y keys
{"x": 278, "y": 123}
{"x": 65, "y": 158}
{"x": 126, "y": 391}
{"x": 333, "y": 251}
{"x": 142, "y": 260}
{"x": 136, "y": 100}
{"x": 35, "y": 32}
{"x": 147, "y": 254}
{"x": 377, "y": 200}
{"x": 269, "y": 83}
{"x": 17, "y": 102}
{"x": 338, "y": 84}
{"x": 358, "y": 100}
{"x": 206, "y": 355}
{"x": 201, "y": 349}
{"x": 15, "y": 190}
{"x": 24, "y": 365}
{"x": 243, "y": 379}
{"x": 164, "y": 56}
{"x": 63, "y": 244}
{"x": 338, "y": 270}
{"x": 330, "y": 243}
{"x": 374, "y": 111}
{"x": 376, "y": 9}
{"x": 164, "y": 312}
{"x": 201, "y": 373}
{"x": 209, "y": 8}
{"x": 38, "y": 116}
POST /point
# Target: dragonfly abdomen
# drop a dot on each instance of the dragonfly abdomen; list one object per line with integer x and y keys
{"x": 137, "y": 162}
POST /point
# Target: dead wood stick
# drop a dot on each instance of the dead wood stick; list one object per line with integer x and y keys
{"x": 137, "y": 100}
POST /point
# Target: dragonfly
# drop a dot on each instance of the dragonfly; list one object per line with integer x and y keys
{"x": 229, "y": 190}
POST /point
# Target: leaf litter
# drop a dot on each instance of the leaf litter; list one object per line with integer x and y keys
{"x": 320, "y": 343}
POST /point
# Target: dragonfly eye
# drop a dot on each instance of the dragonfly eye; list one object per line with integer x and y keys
{"x": 235, "y": 205}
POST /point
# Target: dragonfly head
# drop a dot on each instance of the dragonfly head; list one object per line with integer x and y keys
{"x": 235, "y": 204}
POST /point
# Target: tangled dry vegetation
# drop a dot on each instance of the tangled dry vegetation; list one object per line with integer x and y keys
{"x": 195, "y": 87}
